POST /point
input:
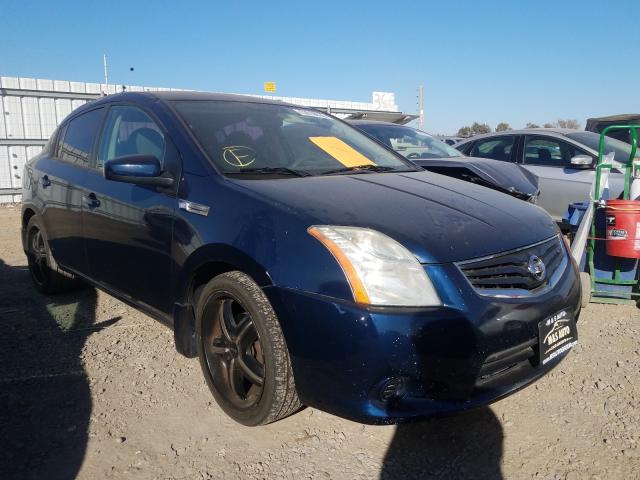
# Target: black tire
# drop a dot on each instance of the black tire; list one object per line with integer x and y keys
{"x": 585, "y": 283}
{"x": 45, "y": 278}
{"x": 242, "y": 351}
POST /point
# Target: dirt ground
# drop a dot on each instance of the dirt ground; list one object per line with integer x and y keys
{"x": 91, "y": 388}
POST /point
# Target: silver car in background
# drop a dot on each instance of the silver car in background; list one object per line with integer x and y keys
{"x": 564, "y": 160}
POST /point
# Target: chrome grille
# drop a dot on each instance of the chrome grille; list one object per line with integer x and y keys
{"x": 508, "y": 274}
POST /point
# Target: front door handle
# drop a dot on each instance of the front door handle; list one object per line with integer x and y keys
{"x": 92, "y": 200}
{"x": 45, "y": 181}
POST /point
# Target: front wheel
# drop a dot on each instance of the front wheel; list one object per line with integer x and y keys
{"x": 242, "y": 351}
{"x": 585, "y": 284}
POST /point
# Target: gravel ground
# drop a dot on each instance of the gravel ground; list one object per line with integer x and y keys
{"x": 91, "y": 388}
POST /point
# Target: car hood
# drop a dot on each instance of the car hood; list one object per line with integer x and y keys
{"x": 440, "y": 219}
{"x": 507, "y": 177}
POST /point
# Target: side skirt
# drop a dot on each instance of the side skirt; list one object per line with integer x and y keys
{"x": 143, "y": 307}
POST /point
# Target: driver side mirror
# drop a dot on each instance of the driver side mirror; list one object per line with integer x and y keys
{"x": 581, "y": 161}
{"x": 138, "y": 169}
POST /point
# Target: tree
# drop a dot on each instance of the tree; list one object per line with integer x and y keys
{"x": 532, "y": 125}
{"x": 480, "y": 128}
{"x": 569, "y": 123}
{"x": 549, "y": 125}
{"x": 464, "y": 132}
{"x": 502, "y": 127}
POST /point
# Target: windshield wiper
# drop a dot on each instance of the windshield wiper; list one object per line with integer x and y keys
{"x": 276, "y": 170}
{"x": 361, "y": 168}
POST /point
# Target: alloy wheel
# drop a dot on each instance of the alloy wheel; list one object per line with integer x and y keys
{"x": 38, "y": 256}
{"x": 233, "y": 351}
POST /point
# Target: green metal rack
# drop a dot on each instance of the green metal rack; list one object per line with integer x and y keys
{"x": 598, "y": 295}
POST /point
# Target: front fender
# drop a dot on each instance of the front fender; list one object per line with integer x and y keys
{"x": 220, "y": 254}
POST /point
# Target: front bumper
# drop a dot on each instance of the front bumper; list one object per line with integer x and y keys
{"x": 467, "y": 353}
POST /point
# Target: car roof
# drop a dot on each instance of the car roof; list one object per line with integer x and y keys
{"x": 374, "y": 122}
{"x": 169, "y": 96}
{"x": 616, "y": 118}
{"x": 228, "y": 97}
{"x": 525, "y": 131}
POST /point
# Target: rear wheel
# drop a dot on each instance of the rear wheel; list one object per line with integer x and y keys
{"x": 45, "y": 278}
{"x": 242, "y": 351}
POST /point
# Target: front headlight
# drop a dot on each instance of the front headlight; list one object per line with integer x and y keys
{"x": 380, "y": 271}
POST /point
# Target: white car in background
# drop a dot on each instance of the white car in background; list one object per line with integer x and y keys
{"x": 564, "y": 160}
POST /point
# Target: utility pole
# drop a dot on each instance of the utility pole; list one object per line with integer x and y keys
{"x": 106, "y": 74}
{"x": 421, "y": 107}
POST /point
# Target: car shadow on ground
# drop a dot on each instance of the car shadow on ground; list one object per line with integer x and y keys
{"x": 466, "y": 446}
{"x": 45, "y": 400}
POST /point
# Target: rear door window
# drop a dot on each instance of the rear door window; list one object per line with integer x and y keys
{"x": 130, "y": 131}
{"x": 464, "y": 148}
{"x": 79, "y": 136}
{"x": 549, "y": 152}
{"x": 59, "y": 139}
{"x": 497, "y": 148}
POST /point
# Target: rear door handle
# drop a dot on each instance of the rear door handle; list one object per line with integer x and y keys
{"x": 45, "y": 181}
{"x": 92, "y": 201}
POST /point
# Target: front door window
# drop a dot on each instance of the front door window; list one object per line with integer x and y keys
{"x": 549, "y": 152}
{"x": 130, "y": 131}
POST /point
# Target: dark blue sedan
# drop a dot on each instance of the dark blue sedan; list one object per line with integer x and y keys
{"x": 301, "y": 261}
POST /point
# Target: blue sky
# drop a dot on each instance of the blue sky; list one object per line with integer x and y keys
{"x": 487, "y": 61}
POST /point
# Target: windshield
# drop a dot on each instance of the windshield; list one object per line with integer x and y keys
{"x": 262, "y": 138}
{"x": 592, "y": 140}
{"x": 409, "y": 142}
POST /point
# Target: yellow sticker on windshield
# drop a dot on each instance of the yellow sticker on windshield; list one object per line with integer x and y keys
{"x": 345, "y": 154}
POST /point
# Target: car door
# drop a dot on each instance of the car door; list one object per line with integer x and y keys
{"x": 128, "y": 227}
{"x": 560, "y": 184}
{"x": 62, "y": 179}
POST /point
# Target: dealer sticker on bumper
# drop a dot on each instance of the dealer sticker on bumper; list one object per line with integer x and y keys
{"x": 557, "y": 335}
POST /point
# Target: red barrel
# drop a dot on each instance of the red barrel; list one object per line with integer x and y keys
{"x": 623, "y": 228}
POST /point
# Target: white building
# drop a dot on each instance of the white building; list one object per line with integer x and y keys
{"x": 30, "y": 110}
